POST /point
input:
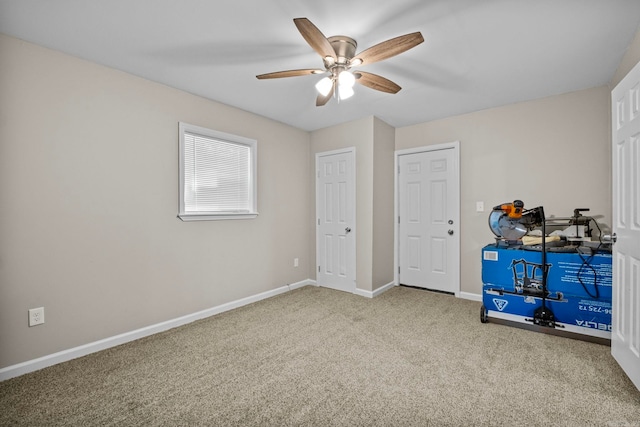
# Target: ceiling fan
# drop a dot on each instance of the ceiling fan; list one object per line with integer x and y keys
{"x": 339, "y": 55}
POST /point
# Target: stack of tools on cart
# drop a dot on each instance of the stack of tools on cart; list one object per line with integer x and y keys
{"x": 560, "y": 281}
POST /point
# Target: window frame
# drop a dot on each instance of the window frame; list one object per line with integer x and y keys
{"x": 253, "y": 184}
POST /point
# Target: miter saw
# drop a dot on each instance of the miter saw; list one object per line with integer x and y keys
{"x": 510, "y": 221}
{"x": 512, "y": 225}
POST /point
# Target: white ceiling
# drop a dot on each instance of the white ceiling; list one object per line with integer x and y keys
{"x": 477, "y": 54}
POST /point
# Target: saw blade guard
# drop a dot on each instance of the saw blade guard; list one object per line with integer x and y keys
{"x": 506, "y": 228}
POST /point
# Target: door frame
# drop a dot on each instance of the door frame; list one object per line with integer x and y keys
{"x": 455, "y": 146}
{"x": 354, "y": 229}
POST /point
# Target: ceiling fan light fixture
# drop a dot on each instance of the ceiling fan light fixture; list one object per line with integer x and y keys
{"x": 355, "y": 62}
{"x": 329, "y": 61}
{"x": 346, "y": 78}
{"x": 324, "y": 86}
{"x": 345, "y": 92}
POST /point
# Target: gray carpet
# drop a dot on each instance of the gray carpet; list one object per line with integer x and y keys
{"x": 319, "y": 357}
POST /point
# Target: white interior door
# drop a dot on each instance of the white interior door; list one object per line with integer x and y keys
{"x": 336, "y": 225}
{"x": 625, "y": 322}
{"x": 428, "y": 224}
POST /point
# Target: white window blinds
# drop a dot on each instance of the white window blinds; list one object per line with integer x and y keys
{"x": 218, "y": 175}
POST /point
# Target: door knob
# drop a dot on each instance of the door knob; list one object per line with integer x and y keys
{"x": 347, "y": 230}
{"x": 450, "y": 232}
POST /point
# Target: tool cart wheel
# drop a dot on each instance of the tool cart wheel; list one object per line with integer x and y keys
{"x": 483, "y": 314}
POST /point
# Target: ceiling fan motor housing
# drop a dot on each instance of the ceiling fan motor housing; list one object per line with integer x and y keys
{"x": 345, "y": 48}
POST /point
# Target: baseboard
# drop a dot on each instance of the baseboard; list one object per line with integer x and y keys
{"x": 73, "y": 353}
{"x": 372, "y": 294}
{"x": 470, "y": 296}
{"x": 308, "y": 282}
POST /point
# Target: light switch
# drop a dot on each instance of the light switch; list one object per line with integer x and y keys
{"x": 479, "y": 206}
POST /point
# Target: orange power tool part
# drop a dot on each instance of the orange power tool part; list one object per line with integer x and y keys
{"x": 513, "y": 210}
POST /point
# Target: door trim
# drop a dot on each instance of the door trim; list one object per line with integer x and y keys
{"x": 354, "y": 228}
{"x": 455, "y": 146}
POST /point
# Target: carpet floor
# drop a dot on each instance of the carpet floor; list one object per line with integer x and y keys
{"x": 318, "y": 357}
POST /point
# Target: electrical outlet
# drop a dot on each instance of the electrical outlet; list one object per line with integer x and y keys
{"x": 36, "y": 316}
{"x": 295, "y": 262}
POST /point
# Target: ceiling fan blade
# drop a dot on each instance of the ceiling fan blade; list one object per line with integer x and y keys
{"x": 290, "y": 73}
{"x": 376, "y": 82}
{"x": 389, "y": 48}
{"x": 315, "y": 38}
{"x": 322, "y": 100}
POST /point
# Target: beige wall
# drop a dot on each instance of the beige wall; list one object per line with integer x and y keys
{"x": 383, "y": 199}
{"x": 553, "y": 152}
{"x": 374, "y": 143}
{"x": 358, "y": 134}
{"x": 89, "y": 196}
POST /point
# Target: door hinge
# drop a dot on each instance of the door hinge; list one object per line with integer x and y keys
{"x": 398, "y": 220}
{"x": 318, "y": 269}
{"x": 398, "y": 270}
{"x": 318, "y": 221}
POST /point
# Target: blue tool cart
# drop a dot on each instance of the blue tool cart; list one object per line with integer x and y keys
{"x": 578, "y": 288}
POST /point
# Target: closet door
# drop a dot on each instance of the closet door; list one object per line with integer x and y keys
{"x": 428, "y": 228}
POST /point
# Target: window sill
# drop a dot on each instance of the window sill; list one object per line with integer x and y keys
{"x": 216, "y": 217}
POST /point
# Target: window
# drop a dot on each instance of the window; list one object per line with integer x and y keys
{"x": 217, "y": 175}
